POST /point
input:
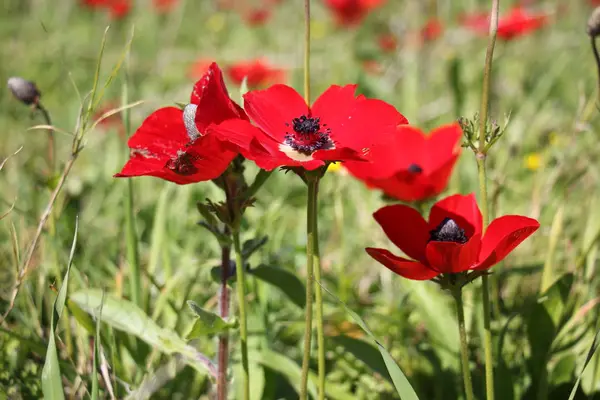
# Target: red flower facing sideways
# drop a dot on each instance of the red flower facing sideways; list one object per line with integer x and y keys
{"x": 175, "y": 145}
{"x": 338, "y": 127}
{"x": 412, "y": 166}
{"x": 258, "y": 73}
{"x": 351, "y": 12}
{"x": 517, "y": 22}
{"x": 451, "y": 241}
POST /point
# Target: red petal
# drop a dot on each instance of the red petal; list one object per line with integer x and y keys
{"x": 274, "y": 108}
{"x": 162, "y": 133}
{"x": 406, "y": 268}
{"x": 337, "y": 102}
{"x": 369, "y": 123}
{"x": 339, "y": 154}
{"x": 502, "y": 236}
{"x": 236, "y": 132}
{"x": 451, "y": 257}
{"x": 443, "y": 144}
{"x": 406, "y": 228}
{"x": 462, "y": 209}
{"x": 214, "y": 104}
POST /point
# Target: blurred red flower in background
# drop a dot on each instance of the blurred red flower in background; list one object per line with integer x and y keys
{"x": 517, "y": 22}
{"x": 412, "y": 166}
{"x": 451, "y": 241}
{"x": 387, "y": 42}
{"x": 351, "y": 12}
{"x": 256, "y": 16}
{"x": 432, "y": 30}
{"x": 164, "y": 6}
{"x": 258, "y": 73}
{"x": 199, "y": 67}
{"x": 117, "y": 9}
{"x": 175, "y": 145}
{"x": 338, "y": 127}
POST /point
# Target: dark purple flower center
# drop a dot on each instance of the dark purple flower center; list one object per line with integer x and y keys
{"x": 415, "y": 168}
{"x": 448, "y": 231}
{"x": 308, "y": 135}
{"x": 183, "y": 163}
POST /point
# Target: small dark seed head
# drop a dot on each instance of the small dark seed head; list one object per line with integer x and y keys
{"x": 24, "y": 90}
{"x": 593, "y": 24}
{"x": 448, "y": 231}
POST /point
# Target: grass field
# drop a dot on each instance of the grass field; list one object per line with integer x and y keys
{"x": 545, "y": 295}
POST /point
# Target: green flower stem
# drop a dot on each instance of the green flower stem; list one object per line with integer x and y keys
{"x": 241, "y": 294}
{"x": 311, "y": 247}
{"x": 464, "y": 349}
{"x": 318, "y": 293}
{"x": 481, "y": 157}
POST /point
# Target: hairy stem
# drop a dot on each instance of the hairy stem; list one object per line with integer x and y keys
{"x": 318, "y": 292}
{"x": 241, "y": 294}
{"x": 481, "y": 158}
{"x": 311, "y": 207}
{"x": 223, "y": 350}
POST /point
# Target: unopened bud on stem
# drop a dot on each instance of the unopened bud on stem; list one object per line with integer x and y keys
{"x": 24, "y": 90}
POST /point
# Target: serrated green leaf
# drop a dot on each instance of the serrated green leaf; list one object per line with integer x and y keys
{"x": 208, "y": 323}
{"x": 284, "y": 280}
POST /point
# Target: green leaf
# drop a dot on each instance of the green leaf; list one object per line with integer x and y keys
{"x": 51, "y": 377}
{"x": 251, "y": 246}
{"x": 401, "y": 383}
{"x": 97, "y": 350}
{"x": 208, "y": 323}
{"x": 284, "y": 280}
{"x": 588, "y": 358}
{"x": 365, "y": 352}
{"x": 286, "y": 367}
{"x": 127, "y": 317}
{"x": 258, "y": 378}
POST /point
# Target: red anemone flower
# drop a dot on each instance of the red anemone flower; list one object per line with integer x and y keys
{"x": 351, "y": 12}
{"x": 175, "y": 145}
{"x": 116, "y": 8}
{"x": 387, "y": 43}
{"x": 451, "y": 241}
{"x": 338, "y": 127}
{"x": 517, "y": 22}
{"x": 258, "y": 73}
{"x": 412, "y": 166}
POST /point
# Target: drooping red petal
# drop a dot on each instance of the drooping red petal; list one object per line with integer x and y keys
{"x": 409, "y": 269}
{"x": 462, "y": 209}
{"x": 273, "y": 109}
{"x": 502, "y": 236}
{"x": 161, "y": 141}
{"x": 406, "y": 186}
{"x": 451, "y": 257}
{"x": 406, "y": 228}
{"x": 214, "y": 103}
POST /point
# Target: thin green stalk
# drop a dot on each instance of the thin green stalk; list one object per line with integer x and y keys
{"x": 307, "y": 51}
{"x": 133, "y": 258}
{"x": 481, "y": 157}
{"x": 310, "y": 259}
{"x": 318, "y": 290}
{"x": 241, "y": 294}
{"x": 464, "y": 349}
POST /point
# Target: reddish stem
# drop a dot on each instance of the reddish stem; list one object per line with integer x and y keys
{"x": 223, "y": 352}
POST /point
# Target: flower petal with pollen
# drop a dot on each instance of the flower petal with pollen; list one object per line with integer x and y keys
{"x": 273, "y": 109}
{"x": 406, "y": 228}
{"x": 161, "y": 141}
{"x": 462, "y": 209}
{"x": 403, "y": 267}
{"x": 502, "y": 236}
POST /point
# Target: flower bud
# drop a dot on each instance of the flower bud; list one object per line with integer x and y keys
{"x": 24, "y": 90}
{"x": 593, "y": 24}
